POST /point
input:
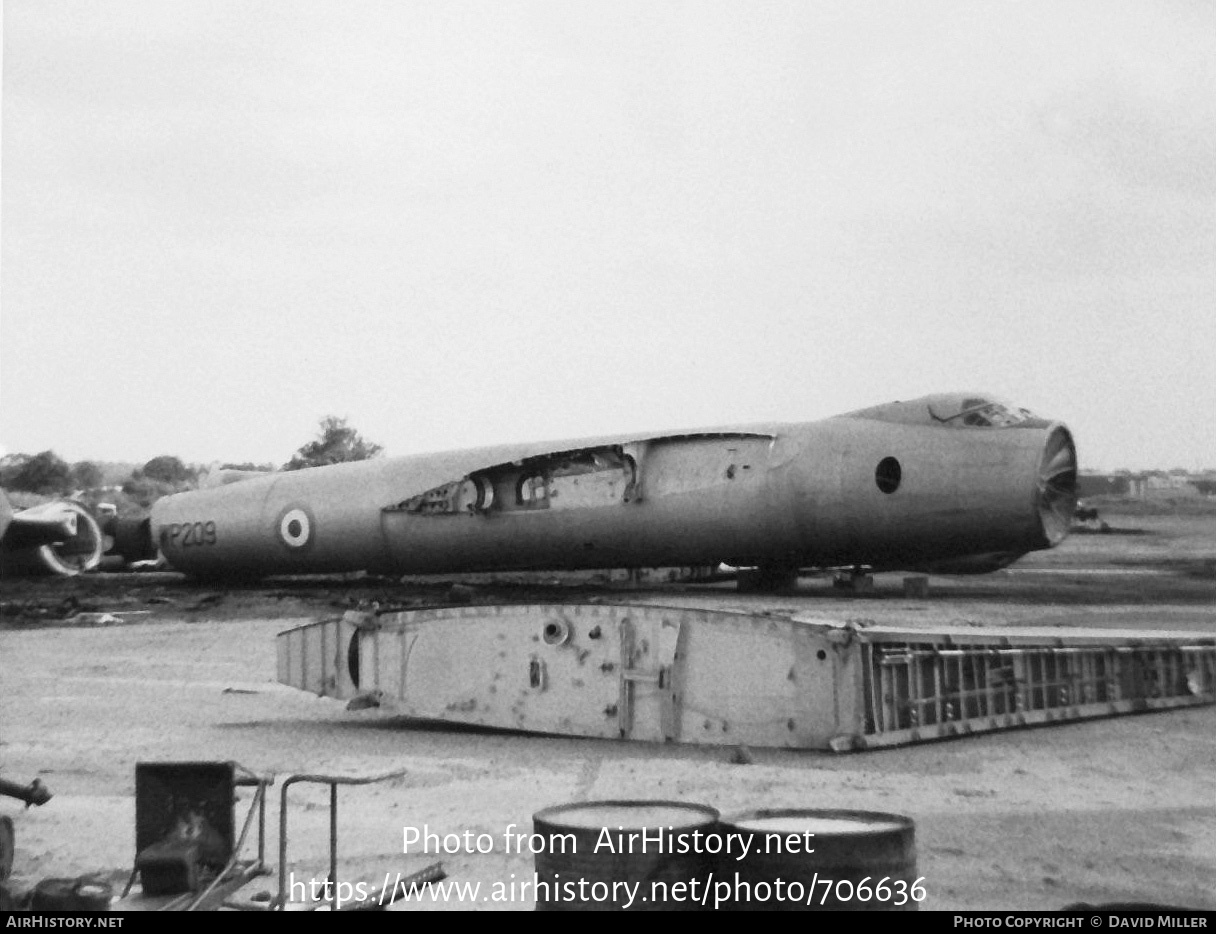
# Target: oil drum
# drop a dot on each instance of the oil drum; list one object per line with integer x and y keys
{"x": 807, "y": 860}
{"x": 83, "y": 893}
{"x": 623, "y": 855}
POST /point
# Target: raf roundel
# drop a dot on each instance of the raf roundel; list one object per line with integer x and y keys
{"x": 295, "y": 528}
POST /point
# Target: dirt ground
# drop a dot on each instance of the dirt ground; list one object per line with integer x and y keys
{"x": 1121, "y": 809}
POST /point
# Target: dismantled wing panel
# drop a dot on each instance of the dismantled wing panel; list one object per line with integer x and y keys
{"x": 698, "y": 676}
{"x": 587, "y": 670}
{"x": 922, "y": 685}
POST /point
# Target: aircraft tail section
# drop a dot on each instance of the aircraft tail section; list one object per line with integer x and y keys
{"x": 59, "y": 537}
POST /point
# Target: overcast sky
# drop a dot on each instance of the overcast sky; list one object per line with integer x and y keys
{"x": 464, "y": 223}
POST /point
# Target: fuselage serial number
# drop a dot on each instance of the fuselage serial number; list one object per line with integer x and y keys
{"x": 187, "y": 534}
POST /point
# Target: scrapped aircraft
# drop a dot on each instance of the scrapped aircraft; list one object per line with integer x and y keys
{"x": 59, "y": 537}
{"x": 953, "y": 483}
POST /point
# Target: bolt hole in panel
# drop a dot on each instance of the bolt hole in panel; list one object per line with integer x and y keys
{"x": 689, "y": 675}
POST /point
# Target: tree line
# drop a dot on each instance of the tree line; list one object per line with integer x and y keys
{"x": 47, "y": 474}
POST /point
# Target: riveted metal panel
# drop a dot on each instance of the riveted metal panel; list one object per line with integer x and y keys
{"x": 671, "y": 674}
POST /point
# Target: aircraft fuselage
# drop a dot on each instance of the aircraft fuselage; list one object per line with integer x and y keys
{"x": 947, "y": 478}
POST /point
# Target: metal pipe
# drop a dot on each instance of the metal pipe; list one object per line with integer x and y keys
{"x": 333, "y": 840}
{"x": 333, "y": 781}
{"x": 236, "y": 850}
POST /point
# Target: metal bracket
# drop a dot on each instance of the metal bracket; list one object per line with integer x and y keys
{"x": 661, "y": 677}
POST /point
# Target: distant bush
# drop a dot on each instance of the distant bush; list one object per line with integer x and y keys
{"x": 336, "y": 443}
{"x": 86, "y": 475}
{"x": 88, "y": 482}
{"x": 46, "y": 473}
{"x": 161, "y": 476}
{"x": 168, "y": 469}
{"x": 145, "y": 490}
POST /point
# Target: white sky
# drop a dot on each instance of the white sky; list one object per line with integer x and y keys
{"x": 464, "y": 223}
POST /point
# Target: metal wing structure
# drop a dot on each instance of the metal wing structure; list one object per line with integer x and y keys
{"x": 672, "y": 674}
{"x": 952, "y": 482}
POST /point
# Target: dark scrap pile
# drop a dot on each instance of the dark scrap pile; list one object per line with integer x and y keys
{"x": 38, "y": 610}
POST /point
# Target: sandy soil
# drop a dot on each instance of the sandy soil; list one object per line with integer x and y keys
{"x": 1122, "y": 809}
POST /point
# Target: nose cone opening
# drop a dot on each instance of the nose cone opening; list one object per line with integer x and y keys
{"x": 1057, "y": 487}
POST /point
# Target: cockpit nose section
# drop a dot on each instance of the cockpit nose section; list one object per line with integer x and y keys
{"x": 963, "y": 411}
{"x": 1038, "y": 483}
{"x": 956, "y": 410}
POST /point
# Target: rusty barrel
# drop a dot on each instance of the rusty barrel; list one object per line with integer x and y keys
{"x": 84, "y": 893}
{"x": 808, "y": 860}
{"x": 623, "y": 855}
